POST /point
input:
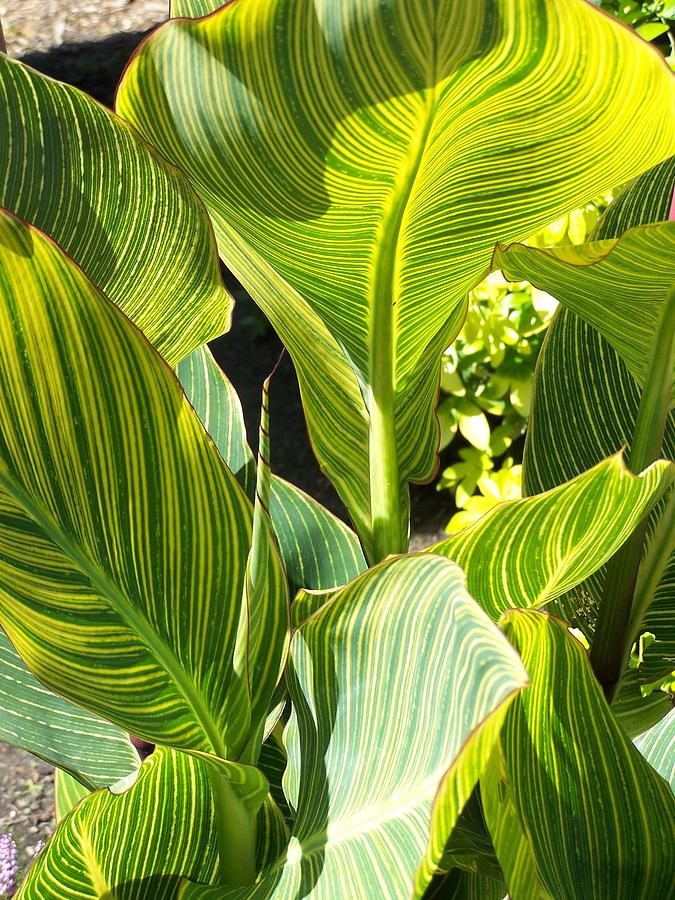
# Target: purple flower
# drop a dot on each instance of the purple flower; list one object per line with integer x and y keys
{"x": 8, "y": 865}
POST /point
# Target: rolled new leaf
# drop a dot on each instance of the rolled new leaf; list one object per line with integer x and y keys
{"x": 599, "y": 818}
{"x": 368, "y": 745}
{"x": 528, "y": 552}
{"x": 319, "y": 551}
{"x": 128, "y": 218}
{"x": 136, "y": 844}
{"x": 93, "y": 751}
{"x": 360, "y": 159}
{"x": 124, "y": 535}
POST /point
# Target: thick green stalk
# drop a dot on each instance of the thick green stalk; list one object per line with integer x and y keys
{"x": 235, "y": 832}
{"x": 659, "y": 550}
{"x": 613, "y": 637}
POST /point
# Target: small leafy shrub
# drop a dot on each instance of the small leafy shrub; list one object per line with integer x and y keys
{"x": 333, "y": 716}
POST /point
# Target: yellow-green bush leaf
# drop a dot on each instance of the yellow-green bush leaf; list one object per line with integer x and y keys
{"x": 371, "y": 738}
{"x": 528, "y": 552}
{"x": 599, "y": 817}
{"x": 359, "y": 160}
{"x": 124, "y": 535}
{"x": 128, "y": 218}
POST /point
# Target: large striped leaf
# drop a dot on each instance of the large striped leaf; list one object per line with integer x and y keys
{"x": 528, "y": 552}
{"x": 192, "y": 9}
{"x": 599, "y": 818}
{"x": 319, "y": 551}
{"x": 79, "y": 173}
{"x": 386, "y": 699}
{"x": 585, "y": 404}
{"x": 124, "y": 536}
{"x": 359, "y": 160}
{"x": 67, "y": 793}
{"x": 618, "y": 286}
{"x": 35, "y": 719}
{"x": 658, "y": 747}
{"x": 135, "y": 845}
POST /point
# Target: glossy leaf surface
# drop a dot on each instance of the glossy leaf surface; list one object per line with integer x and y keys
{"x": 128, "y": 218}
{"x": 319, "y": 551}
{"x": 585, "y": 404}
{"x": 599, "y": 817}
{"x": 135, "y": 845}
{"x": 618, "y": 286}
{"x": 368, "y": 744}
{"x": 359, "y": 160}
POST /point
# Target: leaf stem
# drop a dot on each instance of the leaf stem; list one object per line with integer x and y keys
{"x": 235, "y": 830}
{"x": 614, "y": 631}
{"x": 385, "y": 490}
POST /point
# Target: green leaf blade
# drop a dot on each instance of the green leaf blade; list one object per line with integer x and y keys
{"x": 76, "y": 171}
{"x": 368, "y": 745}
{"x": 130, "y": 630}
{"x": 34, "y": 719}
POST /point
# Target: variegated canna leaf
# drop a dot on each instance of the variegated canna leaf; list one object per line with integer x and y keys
{"x": 618, "y": 286}
{"x": 599, "y": 818}
{"x": 124, "y": 535}
{"x": 658, "y": 747}
{"x": 362, "y": 780}
{"x": 528, "y": 552}
{"x": 360, "y": 159}
{"x": 135, "y": 845}
{"x": 584, "y": 408}
{"x": 128, "y": 218}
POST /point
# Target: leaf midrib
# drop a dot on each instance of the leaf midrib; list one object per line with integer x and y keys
{"x": 120, "y": 602}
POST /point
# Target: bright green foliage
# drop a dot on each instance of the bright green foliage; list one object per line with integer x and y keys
{"x": 361, "y": 821}
{"x": 67, "y": 793}
{"x": 404, "y": 128}
{"x": 658, "y": 747}
{"x": 80, "y": 174}
{"x": 134, "y": 845}
{"x": 599, "y": 819}
{"x": 35, "y": 719}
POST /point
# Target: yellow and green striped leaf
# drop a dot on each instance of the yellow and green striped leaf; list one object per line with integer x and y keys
{"x": 68, "y": 792}
{"x": 584, "y": 408}
{"x": 193, "y": 9}
{"x": 528, "y": 552}
{"x": 360, "y": 159}
{"x": 599, "y": 818}
{"x": 372, "y": 736}
{"x": 618, "y": 286}
{"x": 319, "y": 551}
{"x": 658, "y": 747}
{"x": 124, "y": 535}
{"x": 128, "y": 218}
{"x": 135, "y": 845}
{"x": 95, "y": 752}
